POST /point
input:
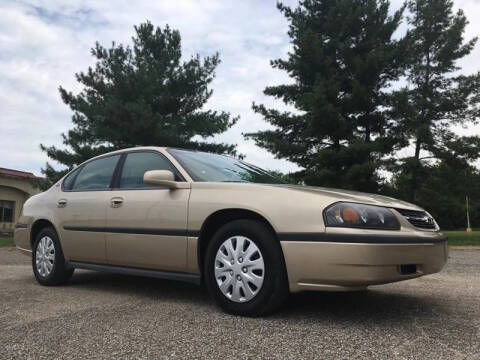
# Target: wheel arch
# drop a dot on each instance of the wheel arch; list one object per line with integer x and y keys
{"x": 219, "y": 218}
{"x": 37, "y": 226}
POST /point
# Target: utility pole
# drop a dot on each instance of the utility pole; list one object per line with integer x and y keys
{"x": 469, "y": 229}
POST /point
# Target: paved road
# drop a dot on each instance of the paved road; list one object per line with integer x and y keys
{"x": 106, "y": 316}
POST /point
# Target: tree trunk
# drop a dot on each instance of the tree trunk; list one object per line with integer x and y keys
{"x": 367, "y": 133}
{"x": 416, "y": 166}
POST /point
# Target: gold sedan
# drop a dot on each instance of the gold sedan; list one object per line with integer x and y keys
{"x": 211, "y": 219}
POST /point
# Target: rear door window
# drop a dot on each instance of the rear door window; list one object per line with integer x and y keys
{"x": 68, "y": 181}
{"x": 96, "y": 174}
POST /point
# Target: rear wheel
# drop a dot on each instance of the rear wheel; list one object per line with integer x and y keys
{"x": 47, "y": 259}
{"x": 244, "y": 269}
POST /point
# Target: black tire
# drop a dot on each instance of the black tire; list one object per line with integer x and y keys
{"x": 274, "y": 291}
{"x": 59, "y": 274}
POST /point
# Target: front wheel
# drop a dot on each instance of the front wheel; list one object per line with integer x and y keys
{"x": 244, "y": 269}
{"x": 47, "y": 259}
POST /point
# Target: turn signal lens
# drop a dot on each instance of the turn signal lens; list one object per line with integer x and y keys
{"x": 354, "y": 215}
{"x": 349, "y": 214}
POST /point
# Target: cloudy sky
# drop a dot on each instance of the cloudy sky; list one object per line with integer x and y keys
{"x": 43, "y": 43}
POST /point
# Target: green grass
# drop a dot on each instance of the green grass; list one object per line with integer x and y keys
{"x": 463, "y": 238}
{"x": 6, "y": 241}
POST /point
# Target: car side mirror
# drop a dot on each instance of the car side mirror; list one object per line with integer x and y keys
{"x": 163, "y": 178}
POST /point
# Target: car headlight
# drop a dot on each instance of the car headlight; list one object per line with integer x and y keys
{"x": 352, "y": 215}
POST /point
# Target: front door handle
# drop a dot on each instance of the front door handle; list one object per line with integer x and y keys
{"x": 116, "y": 202}
{"x": 62, "y": 203}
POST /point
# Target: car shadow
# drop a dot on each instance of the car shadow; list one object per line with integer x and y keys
{"x": 379, "y": 305}
{"x": 149, "y": 288}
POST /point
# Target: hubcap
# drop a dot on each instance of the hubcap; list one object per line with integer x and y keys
{"x": 239, "y": 269}
{"x": 45, "y": 256}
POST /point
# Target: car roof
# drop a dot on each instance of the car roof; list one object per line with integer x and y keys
{"x": 136, "y": 148}
{"x": 121, "y": 151}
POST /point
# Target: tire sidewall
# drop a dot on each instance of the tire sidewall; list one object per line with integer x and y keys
{"x": 270, "y": 249}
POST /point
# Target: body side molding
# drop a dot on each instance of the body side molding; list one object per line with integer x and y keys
{"x": 125, "y": 270}
{"x": 139, "y": 231}
{"x": 360, "y": 238}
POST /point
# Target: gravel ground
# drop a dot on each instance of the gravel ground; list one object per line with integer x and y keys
{"x": 105, "y": 316}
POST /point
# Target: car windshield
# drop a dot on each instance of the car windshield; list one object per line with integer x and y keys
{"x": 206, "y": 167}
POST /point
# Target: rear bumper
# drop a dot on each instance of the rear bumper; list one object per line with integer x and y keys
{"x": 340, "y": 266}
{"x": 21, "y": 237}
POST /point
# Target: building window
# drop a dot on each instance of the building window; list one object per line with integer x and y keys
{"x": 6, "y": 211}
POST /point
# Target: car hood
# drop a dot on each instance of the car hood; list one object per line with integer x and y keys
{"x": 352, "y": 196}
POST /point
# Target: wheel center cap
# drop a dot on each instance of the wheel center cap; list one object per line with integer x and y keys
{"x": 237, "y": 268}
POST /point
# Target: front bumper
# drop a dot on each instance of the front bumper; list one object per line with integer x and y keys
{"x": 341, "y": 266}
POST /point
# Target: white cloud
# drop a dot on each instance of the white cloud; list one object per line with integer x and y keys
{"x": 43, "y": 43}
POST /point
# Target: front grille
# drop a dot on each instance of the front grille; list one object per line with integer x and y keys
{"x": 419, "y": 219}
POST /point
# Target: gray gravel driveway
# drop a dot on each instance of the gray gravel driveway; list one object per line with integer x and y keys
{"x": 104, "y": 316}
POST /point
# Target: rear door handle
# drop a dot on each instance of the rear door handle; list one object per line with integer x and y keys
{"x": 116, "y": 202}
{"x": 62, "y": 203}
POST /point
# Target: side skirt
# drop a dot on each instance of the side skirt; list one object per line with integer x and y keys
{"x": 124, "y": 270}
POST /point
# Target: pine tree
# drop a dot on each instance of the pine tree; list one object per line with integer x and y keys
{"x": 342, "y": 63}
{"x": 435, "y": 98}
{"x": 141, "y": 95}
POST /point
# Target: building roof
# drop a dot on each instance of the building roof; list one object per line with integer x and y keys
{"x": 17, "y": 173}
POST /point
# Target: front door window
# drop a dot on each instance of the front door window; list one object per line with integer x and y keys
{"x": 135, "y": 166}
